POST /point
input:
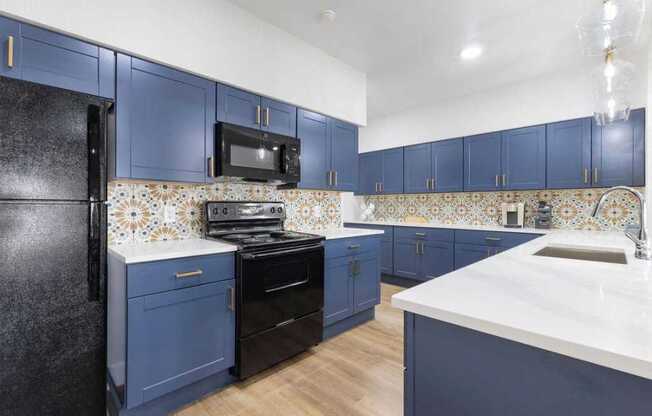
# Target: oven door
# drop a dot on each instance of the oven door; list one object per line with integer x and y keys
{"x": 279, "y": 286}
{"x": 252, "y": 154}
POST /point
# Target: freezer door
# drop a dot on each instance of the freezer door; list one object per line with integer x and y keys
{"x": 52, "y": 311}
{"x": 47, "y": 137}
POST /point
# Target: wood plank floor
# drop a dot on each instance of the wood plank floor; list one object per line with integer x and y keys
{"x": 359, "y": 372}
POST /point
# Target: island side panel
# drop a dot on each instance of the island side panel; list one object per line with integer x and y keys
{"x": 458, "y": 371}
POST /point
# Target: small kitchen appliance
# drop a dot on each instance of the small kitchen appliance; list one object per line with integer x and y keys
{"x": 543, "y": 218}
{"x": 513, "y": 214}
{"x": 279, "y": 282}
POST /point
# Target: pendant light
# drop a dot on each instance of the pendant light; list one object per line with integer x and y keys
{"x": 612, "y": 82}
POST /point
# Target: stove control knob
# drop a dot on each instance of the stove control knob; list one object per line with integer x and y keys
{"x": 279, "y": 210}
{"x": 225, "y": 210}
{"x": 272, "y": 210}
{"x": 216, "y": 211}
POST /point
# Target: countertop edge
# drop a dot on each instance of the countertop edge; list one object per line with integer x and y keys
{"x": 171, "y": 255}
{"x": 469, "y": 227}
{"x": 581, "y": 352}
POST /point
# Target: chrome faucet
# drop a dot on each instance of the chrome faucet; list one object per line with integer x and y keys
{"x": 643, "y": 250}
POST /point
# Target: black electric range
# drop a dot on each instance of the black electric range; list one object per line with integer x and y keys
{"x": 279, "y": 282}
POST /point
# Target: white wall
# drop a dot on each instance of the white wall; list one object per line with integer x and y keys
{"x": 552, "y": 98}
{"x": 648, "y": 135}
{"x": 212, "y": 38}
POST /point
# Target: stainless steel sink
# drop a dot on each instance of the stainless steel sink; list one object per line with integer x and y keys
{"x": 584, "y": 253}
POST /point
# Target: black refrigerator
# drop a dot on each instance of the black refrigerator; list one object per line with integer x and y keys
{"x": 52, "y": 250}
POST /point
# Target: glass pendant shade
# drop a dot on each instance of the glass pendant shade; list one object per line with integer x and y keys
{"x": 612, "y": 82}
{"x": 606, "y": 23}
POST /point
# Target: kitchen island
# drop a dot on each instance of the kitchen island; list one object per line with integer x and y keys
{"x": 527, "y": 335}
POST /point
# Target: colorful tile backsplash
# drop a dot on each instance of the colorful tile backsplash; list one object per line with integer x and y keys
{"x": 136, "y": 211}
{"x": 571, "y": 208}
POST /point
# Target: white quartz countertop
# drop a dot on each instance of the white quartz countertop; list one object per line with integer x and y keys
{"x": 347, "y": 232}
{"x": 164, "y": 250}
{"x": 455, "y": 226}
{"x": 592, "y": 311}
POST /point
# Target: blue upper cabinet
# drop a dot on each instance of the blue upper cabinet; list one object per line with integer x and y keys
{"x": 165, "y": 122}
{"x": 45, "y": 57}
{"x": 238, "y": 107}
{"x": 314, "y": 131}
{"x": 392, "y": 182}
{"x": 246, "y": 109}
{"x": 618, "y": 152}
{"x": 447, "y": 165}
{"x": 370, "y": 173}
{"x": 329, "y": 152}
{"x": 482, "y": 162}
{"x": 278, "y": 117}
{"x": 417, "y": 173}
{"x": 10, "y": 48}
{"x": 524, "y": 158}
{"x": 569, "y": 154}
{"x": 343, "y": 155}
{"x": 381, "y": 172}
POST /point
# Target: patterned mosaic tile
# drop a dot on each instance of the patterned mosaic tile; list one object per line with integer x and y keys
{"x": 571, "y": 208}
{"x": 135, "y": 210}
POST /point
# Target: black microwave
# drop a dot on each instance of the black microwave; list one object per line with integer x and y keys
{"x": 255, "y": 155}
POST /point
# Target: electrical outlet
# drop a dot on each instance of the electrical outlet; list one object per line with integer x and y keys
{"x": 169, "y": 213}
{"x": 316, "y": 211}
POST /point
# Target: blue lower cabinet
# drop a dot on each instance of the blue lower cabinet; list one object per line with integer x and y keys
{"x": 352, "y": 277}
{"x": 178, "y": 337}
{"x": 386, "y": 245}
{"x": 466, "y": 254}
{"x": 406, "y": 258}
{"x": 338, "y": 289}
{"x": 437, "y": 259}
{"x": 165, "y": 123}
{"x": 366, "y": 277}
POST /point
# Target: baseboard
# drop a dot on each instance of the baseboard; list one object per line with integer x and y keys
{"x": 399, "y": 281}
{"x": 349, "y": 323}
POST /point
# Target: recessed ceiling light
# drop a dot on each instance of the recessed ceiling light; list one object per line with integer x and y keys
{"x": 328, "y": 15}
{"x": 471, "y": 52}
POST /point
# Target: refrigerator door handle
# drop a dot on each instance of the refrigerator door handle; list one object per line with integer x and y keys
{"x": 94, "y": 250}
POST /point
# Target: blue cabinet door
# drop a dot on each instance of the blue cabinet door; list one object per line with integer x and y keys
{"x": 524, "y": 158}
{"x": 9, "y": 48}
{"x": 392, "y": 171}
{"x": 278, "y": 117}
{"x": 238, "y": 107}
{"x": 482, "y": 162}
{"x": 366, "y": 281}
{"x": 406, "y": 259}
{"x": 343, "y": 152}
{"x": 448, "y": 165}
{"x": 569, "y": 154}
{"x": 314, "y": 131}
{"x": 370, "y": 173}
{"x": 417, "y": 172}
{"x": 466, "y": 254}
{"x": 176, "y": 338}
{"x": 165, "y": 123}
{"x": 618, "y": 152}
{"x": 437, "y": 259}
{"x": 338, "y": 289}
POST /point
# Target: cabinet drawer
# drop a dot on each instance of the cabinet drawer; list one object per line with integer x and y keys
{"x": 161, "y": 276}
{"x": 351, "y": 246}
{"x": 418, "y": 233}
{"x": 493, "y": 238}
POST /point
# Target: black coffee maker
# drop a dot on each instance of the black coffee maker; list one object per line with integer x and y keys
{"x": 543, "y": 217}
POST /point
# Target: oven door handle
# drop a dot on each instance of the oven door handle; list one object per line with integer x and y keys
{"x": 276, "y": 289}
{"x": 249, "y": 256}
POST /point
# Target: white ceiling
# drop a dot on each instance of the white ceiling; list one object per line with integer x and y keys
{"x": 410, "y": 49}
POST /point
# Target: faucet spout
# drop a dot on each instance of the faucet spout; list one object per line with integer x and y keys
{"x": 643, "y": 249}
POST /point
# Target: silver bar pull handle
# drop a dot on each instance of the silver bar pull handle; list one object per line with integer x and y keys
{"x": 497, "y": 179}
{"x": 433, "y": 183}
{"x": 185, "y": 275}
{"x": 493, "y": 238}
{"x": 10, "y": 51}
{"x": 328, "y": 176}
{"x": 595, "y": 175}
{"x": 586, "y": 175}
{"x": 211, "y": 166}
{"x": 335, "y": 178}
{"x": 354, "y": 246}
{"x": 267, "y": 116}
{"x": 231, "y": 304}
{"x": 420, "y": 234}
{"x": 504, "y": 180}
{"x": 258, "y": 115}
